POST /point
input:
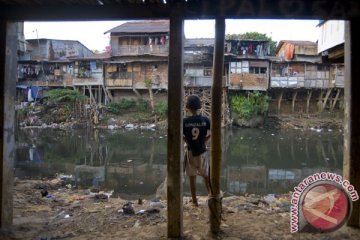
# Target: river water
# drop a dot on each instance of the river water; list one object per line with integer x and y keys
{"x": 133, "y": 162}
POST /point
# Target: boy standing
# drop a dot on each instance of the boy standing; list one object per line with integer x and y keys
{"x": 196, "y": 131}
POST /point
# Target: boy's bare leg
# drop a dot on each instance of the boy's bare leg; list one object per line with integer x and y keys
{"x": 193, "y": 189}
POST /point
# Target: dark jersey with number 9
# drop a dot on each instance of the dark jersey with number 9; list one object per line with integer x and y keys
{"x": 195, "y": 130}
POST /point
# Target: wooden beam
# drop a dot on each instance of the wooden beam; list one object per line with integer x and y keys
{"x": 351, "y": 164}
{"x": 325, "y": 99}
{"x": 175, "y": 116}
{"x": 308, "y": 100}
{"x": 335, "y": 100}
{"x": 8, "y": 53}
{"x": 126, "y": 10}
{"x": 216, "y": 144}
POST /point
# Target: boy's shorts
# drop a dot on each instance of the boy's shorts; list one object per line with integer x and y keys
{"x": 196, "y": 165}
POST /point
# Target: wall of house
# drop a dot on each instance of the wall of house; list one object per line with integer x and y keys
{"x": 156, "y": 72}
{"x": 89, "y": 72}
{"x": 337, "y": 74}
{"x": 249, "y": 75}
{"x": 331, "y": 34}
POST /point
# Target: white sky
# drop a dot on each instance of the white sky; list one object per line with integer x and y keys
{"x": 91, "y": 34}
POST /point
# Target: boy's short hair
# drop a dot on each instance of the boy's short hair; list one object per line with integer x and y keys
{"x": 193, "y": 102}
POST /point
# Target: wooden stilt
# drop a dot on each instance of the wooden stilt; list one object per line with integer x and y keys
{"x": 214, "y": 202}
{"x": 308, "y": 101}
{"x": 325, "y": 99}
{"x": 294, "y": 100}
{"x": 279, "y": 101}
{"x": 335, "y": 100}
{"x": 175, "y": 117}
{"x": 320, "y": 102}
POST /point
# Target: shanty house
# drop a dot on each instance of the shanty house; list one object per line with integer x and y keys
{"x": 198, "y": 58}
{"x": 248, "y": 64}
{"x": 331, "y": 48}
{"x": 299, "y": 66}
{"x": 48, "y": 62}
{"x": 139, "y": 52}
{"x": 88, "y": 76}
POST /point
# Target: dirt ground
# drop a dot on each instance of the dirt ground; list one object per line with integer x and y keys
{"x": 67, "y": 213}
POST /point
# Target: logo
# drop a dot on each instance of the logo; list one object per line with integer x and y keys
{"x": 322, "y": 202}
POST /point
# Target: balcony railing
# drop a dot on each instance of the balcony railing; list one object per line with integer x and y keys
{"x": 140, "y": 50}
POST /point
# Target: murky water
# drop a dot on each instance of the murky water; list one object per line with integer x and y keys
{"x": 133, "y": 162}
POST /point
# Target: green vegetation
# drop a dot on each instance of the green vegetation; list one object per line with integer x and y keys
{"x": 161, "y": 108}
{"x": 253, "y": 36}
{"x": 142, "y": 105}
{"x": 63, "y": 95}
{"x": 123, "y": 104}
{"x": 249, "y": 106}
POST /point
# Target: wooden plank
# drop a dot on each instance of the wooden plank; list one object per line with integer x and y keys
{"x": 314, "y": 9}
{"x": 216, "y": 144}
{"x": 9, "y": 40}
{"x": 175, "y": 116}
{"x": 351, "y": 164}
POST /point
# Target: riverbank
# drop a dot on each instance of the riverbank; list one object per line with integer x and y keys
{"x": 51, "y": 209}
{"x": 54, "y": 118}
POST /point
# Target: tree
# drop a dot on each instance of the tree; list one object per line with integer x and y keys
{"x": 253, "y": 36}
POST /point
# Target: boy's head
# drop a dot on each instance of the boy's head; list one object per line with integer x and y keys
{"x": 193, "y": 103}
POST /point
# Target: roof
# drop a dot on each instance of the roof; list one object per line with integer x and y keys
{"x": 96, "y": 56}
{"x": 150, "y": 26}
{"x": 295, "y": 43}
{"x": 36, "y": 40}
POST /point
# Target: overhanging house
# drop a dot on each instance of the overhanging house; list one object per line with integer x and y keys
{"x": 248, "y": 64}
{"x": 88, "y": 76}
{"x": 139, "y": 52}
{"x": 331, "y": 48}
{"x": 49, "y": 62}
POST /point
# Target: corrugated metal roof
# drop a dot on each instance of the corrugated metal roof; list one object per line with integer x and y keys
{"x": 295, "y": 43}
{"x": 299, "y": 42}
{"x": 150, "y": 26}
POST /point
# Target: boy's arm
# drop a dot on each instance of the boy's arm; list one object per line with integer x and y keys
{"x": 207, "y": 137}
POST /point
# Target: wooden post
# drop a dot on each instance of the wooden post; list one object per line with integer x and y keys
{"x": 294, "y": 100}
{"x": 279, "y": 102}
{"x": 351, "y": 164}
{"x": 216, "y": 144}
{"x": 308, "y": 101}
{"x": 8, "y": 66}
{"x": 325, "y": 99}
{"x": 175, "y": 116}
{"x": 335, "y": 100}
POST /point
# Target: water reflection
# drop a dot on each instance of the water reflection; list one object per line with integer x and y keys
{"x": 133, "y": 163}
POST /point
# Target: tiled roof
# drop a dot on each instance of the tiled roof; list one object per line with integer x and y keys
{"x": 152, "y": 26}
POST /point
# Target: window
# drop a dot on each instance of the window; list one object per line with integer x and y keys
{"x": 257, "y": 70}
{"x": 207, "y": 71}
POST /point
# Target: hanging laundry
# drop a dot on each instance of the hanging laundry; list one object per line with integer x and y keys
{"x": 92, "y": 65}
{"x": 289, "y": 51}
{"x": 163, "y": 40}
{"x": 30, "y": 98}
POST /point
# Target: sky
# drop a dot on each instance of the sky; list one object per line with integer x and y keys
{"x": 91, "y": 34}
